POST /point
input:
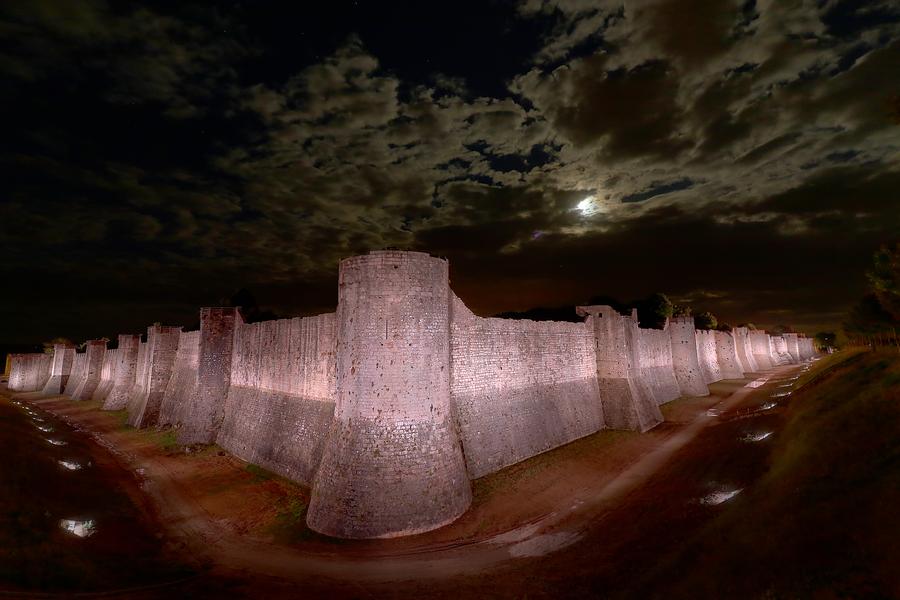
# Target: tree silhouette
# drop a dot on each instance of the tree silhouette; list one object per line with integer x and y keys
{"x": 706, "y": 320}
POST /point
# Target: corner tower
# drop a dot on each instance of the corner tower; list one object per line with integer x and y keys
{"x": 392, "y": 463}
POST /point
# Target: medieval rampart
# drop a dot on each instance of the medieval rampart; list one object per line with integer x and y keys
{"x": 520, "y": 387}
{"x": 390, "y": 406}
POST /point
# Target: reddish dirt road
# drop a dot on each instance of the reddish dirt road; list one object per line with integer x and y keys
{"x": 589, "y": 519}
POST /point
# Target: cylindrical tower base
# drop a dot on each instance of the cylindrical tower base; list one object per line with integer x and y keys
{"x": 393, "y": 462}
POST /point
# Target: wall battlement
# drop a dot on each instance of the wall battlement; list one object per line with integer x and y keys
{"x": 390, "y": 406}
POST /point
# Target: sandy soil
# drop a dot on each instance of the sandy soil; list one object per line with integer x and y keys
{"x": 588, "y": 508}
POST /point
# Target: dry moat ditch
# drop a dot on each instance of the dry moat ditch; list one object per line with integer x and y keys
{"x": 607, "y": 515}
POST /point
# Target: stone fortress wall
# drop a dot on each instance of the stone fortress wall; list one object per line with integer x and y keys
{"x": 29, "y": 372}
{"x": 390, "y": 406}
{"x": 519, "y": 388}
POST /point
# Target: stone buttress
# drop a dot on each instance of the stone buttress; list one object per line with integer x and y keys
{"x": 726, "y": 352}
{"x": 791, "y": 341}
{"x": 202, "y": 417}
{"x": 93, "y": 369}
{"x": 759, "y": 340}
{"x": 744, "y": 350}
{"x": 707, "y": 355}
{"x": 627, "y": 400}
{"x": 684, "y": 357}
{"x": 60, "y": 369}
{"x": 125, "y": 366}
{"x": 147, "y": 395}
{"x": 107, "y": 375}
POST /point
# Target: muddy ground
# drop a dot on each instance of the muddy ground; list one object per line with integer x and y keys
{"x": 595, "y": 518}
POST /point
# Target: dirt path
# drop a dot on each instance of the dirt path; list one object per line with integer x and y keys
{"x": 572, "y": 494}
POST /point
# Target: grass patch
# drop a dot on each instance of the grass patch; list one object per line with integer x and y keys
{"x": 510, "y": 476}
{"x": 167, "y": 440}
{"x": 258, "y": 473}
{"x": 822, "y": 521}
{"x": 289, "y": 526}
{"x": 121, "y": 417}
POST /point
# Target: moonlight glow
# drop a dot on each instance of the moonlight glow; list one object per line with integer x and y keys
{"x": 588, "y": 206}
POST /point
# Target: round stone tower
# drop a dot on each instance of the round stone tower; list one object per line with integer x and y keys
{"x": 392, "y": 463}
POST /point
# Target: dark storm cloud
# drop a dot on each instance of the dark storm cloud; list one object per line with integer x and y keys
{"x": 658, "y": 188}
{"x": 563, "y": 149}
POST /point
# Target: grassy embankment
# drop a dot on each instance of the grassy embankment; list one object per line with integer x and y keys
{"x": 824, "y": 521}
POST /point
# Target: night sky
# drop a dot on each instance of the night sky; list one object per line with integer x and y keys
{"x": 158, "y": 156}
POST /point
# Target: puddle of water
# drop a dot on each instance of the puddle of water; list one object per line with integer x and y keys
{"x": 716, "y": 498}
{"x": 544, "y": 544}
{"x": 73, "y": 465}
{"x": 756, "y": 437}
{"x": 768, "y": 406}
{"x": 79, "y": 527}
{"x": 713, "y": 412}
{"x": 515, "y": 535}
{"x": 781, "y": 394}
{"x": 56, "y": 442}
{"x": 45, "y": 428}
{"x": 757, "y": 382}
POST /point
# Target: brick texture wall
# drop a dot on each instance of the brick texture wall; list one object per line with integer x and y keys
{"x": 281, "y": 399}
{"x": 107, "y": 375}
{"x": 182, "y": 384}
{"x": 707, "y": 357}
{"x": 685, "y": 359}
{"x": 29, "y": 372}
{"x": 93, "y": 367}
{"x": 60, "y": 369}
{"x": 744, "y": 350}
{"x": 520, "y": 387}
{"x": 759, "y": 341}
{"x": 125, "y": 371}
{"x": 726, "y": 352}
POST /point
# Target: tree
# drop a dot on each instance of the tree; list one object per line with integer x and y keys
{"x": 705, "y": 320}
{"x": 869, "y": 323}
{"x": 782, "y": 329}
{"x": 825, "y": 339}
{"x": 654, "y": 310}
{"x": 250, "y": 309}
{"x": 681, "y": 310}
{"x": 884, "y": 278}
{"x": 48, "y": 345}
